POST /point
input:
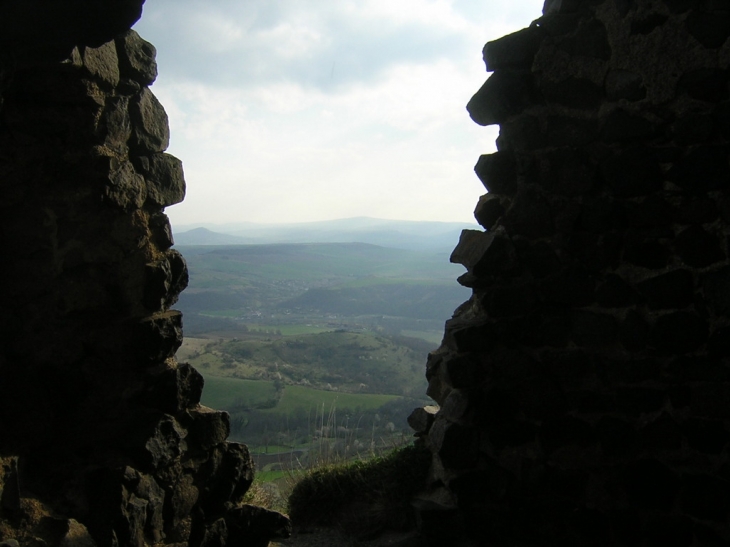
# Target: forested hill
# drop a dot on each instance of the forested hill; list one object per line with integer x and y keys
{"x": 360, "y": 284}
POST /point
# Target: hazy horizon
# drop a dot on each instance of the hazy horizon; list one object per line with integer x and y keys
{"x": 320, "y": 221}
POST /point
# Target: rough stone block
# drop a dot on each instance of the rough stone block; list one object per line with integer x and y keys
{"x": 719, "y": 343}
{"x": 207, "y": 428}
{"x": 578, "y": 93}
{"x": 165, "y": 179}
{"x": 568, "y": 172}
{"x": 164, "y": 443}
{"x": 530, "y": 215}
{"x": 161, "y": 231}
{"x": 102, "y": 63}
{"x": 470, "y": 337}
{"x": 10, "y": 485}
{"x": 668, "y": 530}
{"x": 702, "y": 169}
{"x": 571, "y": 131}
{"x": 148, "y": 490}
{"x": 573, "y": 286}
{"x": 699, "y": 248}
{"x": 136, "y": 58}
{"x": 230, "y": 479}
{"x": 623, "y": 126}
{"x": 617, "y": 436}
{"x": 565, "y": 431}
{"x": 706, "y": 436}
{"x": 498, "y": 173}
{"x": 522, "y": 133}
{"x": 560, "y": 6}
{"x": 705, "y": 84}
{"x": 489, "y": 210}
{"x": 182, "y": 497}
{"x": 615, "y": 292}
{"x": 503, "y": 95}
{"x": 125, "y": 187}
{"x": 421, "y": 419}
{"x": 698, "y": 211}
{"x": 647, "y": 253}
{"x": 663, "y": 433}
{"x": 623, "y": 84}
{"x": 651, "y": 485}
{"x": 255, "y": 526}
{"x": 115, "y": 125}
{"x": 514, "y": 51}
{"x": 709, "y": 29}
{"x": 165, "y": 280}
{"x": 632, "y": 172}
{"x": 716, "y": 288}
{"x": 151, "y": 132}
{"x": 593, "y": 329}
{"x": 456, "y": 445}
{"x": 633, "y": 331}
{"x": 674, "y": 289}
{"x": 693, "y": 129}
{"x": 589, "y": 40}
{"x": 645, "y": 25}
{"x": 678, "y": 333}
{"x": 651, "y": 212}
{"x": 484, "y": 253}
{"x": 176, "y": 389}
{"x": 706, "y": 497}
{"x": 551, "y": 327}
{"x": 679, "y": 6}
{"x": 540, "y": 259}
{"x": 510, "y": 300}
{"x": 159, "y": 336}
{"x": 709, "y": 400}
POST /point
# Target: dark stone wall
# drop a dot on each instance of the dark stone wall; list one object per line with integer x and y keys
{"x": 584, "y": 389}
{"x": 102, "y": 437}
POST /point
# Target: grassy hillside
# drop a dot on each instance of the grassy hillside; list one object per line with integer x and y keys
{"x": 342, "y": 361}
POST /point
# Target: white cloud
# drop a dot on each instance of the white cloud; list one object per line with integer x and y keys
{"x": 285, "y": 110}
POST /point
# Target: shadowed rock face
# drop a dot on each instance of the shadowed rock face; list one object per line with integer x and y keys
{"x": 102, "y": 438}
{"x": 584, "y": 389}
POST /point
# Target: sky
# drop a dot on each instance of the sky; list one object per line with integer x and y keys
{"x": 303, "y": 110}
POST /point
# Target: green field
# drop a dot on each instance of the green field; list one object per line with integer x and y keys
{"x": 288, "y": 330}
{"x": 232, "y": 393}
{"x": 229, "y": 393}
{"x": 299, "y": 397}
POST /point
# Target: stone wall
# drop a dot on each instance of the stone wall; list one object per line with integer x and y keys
{"x": 102, "y": 437}
{"x": 584, "y": 389}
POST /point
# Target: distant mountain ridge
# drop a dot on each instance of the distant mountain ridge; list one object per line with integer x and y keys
{"x": 401, "y": 234}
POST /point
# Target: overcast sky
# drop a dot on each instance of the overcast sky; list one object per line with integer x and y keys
{"x": 304, "y": 110}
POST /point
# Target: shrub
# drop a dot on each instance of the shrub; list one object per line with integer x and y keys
{"x": 363, "y": 497}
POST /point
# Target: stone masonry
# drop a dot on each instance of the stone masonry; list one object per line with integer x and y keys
{"x": 102, "y": 438}
{"x": 584, "y": 389}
